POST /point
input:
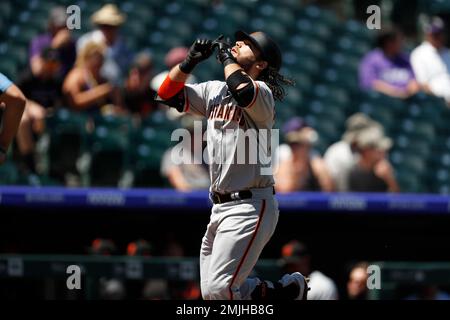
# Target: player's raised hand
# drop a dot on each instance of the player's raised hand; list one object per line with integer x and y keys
{"x": 200, "y": 50}
{"x": 223, "y": 50}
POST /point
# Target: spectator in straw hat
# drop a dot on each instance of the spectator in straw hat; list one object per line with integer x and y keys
{"x": 341, "y": 156}
{"x": 107, "y": 21}
{"x": 301, "y": 169}
{"x": 373, "y": 172}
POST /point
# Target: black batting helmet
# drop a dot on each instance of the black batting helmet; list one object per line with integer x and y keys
{"x": 270, "y": 51}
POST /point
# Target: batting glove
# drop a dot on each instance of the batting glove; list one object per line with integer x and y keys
{"x": 200, "y": 50}
{"x": 224, "y": 55}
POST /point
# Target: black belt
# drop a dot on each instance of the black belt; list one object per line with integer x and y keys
{"x": 218, "y": 198}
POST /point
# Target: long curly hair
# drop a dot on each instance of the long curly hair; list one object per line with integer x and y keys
{"x": 275, "y": 81}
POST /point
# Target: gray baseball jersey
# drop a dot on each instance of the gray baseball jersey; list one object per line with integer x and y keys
{"x": 227, "y": 145}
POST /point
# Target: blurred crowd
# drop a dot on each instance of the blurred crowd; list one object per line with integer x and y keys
{"x": 98, "y": 74}
{"x": 295, "y": 256}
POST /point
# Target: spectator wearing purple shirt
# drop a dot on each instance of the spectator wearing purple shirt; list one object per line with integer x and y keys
{"x": 58, "y": 37}
{"x": 386, "y": 69}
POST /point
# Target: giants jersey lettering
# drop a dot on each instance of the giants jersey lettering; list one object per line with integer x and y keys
{"x": 228, "y": 133}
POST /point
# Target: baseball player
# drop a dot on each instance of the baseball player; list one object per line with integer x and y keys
{"x": 12, "y": 105}
{"x": 245, "y": 211}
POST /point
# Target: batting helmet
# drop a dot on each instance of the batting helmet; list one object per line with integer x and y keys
{"x": 270, "y": 51}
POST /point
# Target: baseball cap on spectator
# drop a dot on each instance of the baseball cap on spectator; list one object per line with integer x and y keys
{"x": 307, "y": 135}
{"x": 434, "y": 25}
{"x": 295, "y": 124}
{"x": 373, "y": 137}
{"x": 108, "y": 15}
{"x": 175, "y": 56}
{"x": 156, "y": 289}
{"x": 355, "y": 123}
{"x": 297, "y": 130}
{"x": 143, "y": 61}
{"x": 293, "y": 252}
{"x": 139, "y": 248}
{"x": 57, "y": 17}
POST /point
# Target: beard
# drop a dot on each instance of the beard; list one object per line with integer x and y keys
{"x": 246, "y": 65}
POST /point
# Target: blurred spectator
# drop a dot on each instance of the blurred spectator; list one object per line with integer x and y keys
{"x": 43, "y": 90}
{"x": 172, "y": 58}
{"x": 111, "y": 289}
{"x": 140, "y": 247}
{"x": 102, "y": 247}
{"x": 341, "y": 156}
{"x": 298, "y": 168}
{"x": 429, "y": 292}
{"x": 138, "y": 97}
{"x": 172, "y": 247}
{"x": 187, "y": 172}
{"x": 84, "y": 87}
{"x": 357, "y": 282}
{"x": 44, "y": 87}
{"x": 58, "y": 37}
{"x": 179, "y": 290}
{"x": 117, "y": 55}
{"x": 431, "y": 60}
{"x": 373, "y": 172}
{"x": 12, "y": 105}
{"x": 156, "y": 289}
{"x": 387, "y": 69}
{"x": 108, "y": 288}
{"x": 297, "y": 258}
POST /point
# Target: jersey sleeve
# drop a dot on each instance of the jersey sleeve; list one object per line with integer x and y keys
{"x": 262, "y": 106}
{"x": 196, "y": 98}
{"x": 5, "y": 83}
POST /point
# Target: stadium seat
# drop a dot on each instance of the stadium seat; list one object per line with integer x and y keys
{"x": 8, "y": 67}
{"x": 146, "y": 166}
{"x": 9, "y": 175}
{"x": 408, "y": 182}
{"x": 67, "y": 142}
{"x": 159, "y": 120}
{"x": 5, "y": 10}
{"x": 122, "y": 124}
{"x": 16, "y": 55}
{"x": 153, "y": 137}
{"x": 419, "y": 129}
{"x": 108, "y": 157}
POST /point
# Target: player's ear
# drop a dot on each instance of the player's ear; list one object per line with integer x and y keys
{"x": 261, "y": 65}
